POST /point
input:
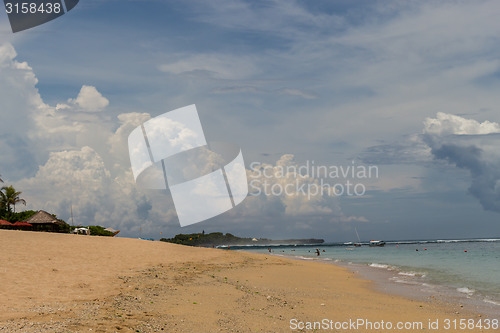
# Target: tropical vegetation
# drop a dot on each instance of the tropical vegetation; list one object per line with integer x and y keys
{"x": 218, "y": 238}
{"x": 202, "y": 239}
{"x": 95, "y": 230}
{"x": 10, "y": 197}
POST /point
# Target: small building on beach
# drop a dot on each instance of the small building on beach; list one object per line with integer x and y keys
{"x": 81, "y": 231}
{"x": 43, "y": 221}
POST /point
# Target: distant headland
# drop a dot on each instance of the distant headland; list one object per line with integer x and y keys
{"x": 218, "y": 239}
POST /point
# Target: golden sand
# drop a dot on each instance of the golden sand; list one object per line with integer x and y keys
{"x": 73, "y": 283}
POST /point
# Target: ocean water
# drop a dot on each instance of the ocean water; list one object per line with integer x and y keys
{"x": 468, "y": 268}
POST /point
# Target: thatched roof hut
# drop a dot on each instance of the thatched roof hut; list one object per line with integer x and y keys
{"x": 44, "y": 221}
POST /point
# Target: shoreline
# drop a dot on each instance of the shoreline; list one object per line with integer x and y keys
{"x": 392, "y": 282}
{"x": 61, "y": 283}
{"x": 395, "y": 281}
{"x": 443, "y": 270}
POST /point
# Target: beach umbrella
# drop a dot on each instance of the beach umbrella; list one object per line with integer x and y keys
{"x": 115, "y": 232}
{"x": 3, "y": 222}
{"x": 21, "y": 224}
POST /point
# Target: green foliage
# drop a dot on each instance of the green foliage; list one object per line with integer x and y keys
{"x": 96, "y": 230}
{"x": 21, "y": 216}
{"x": 10, "y": 197}
{"x": 218, "y": 238}
{"x": 65, "y": 228}
{"x": 201, "y": 239}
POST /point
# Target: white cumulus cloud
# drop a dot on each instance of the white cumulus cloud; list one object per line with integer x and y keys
{"x": 78, "y": 180}
{"x": 445, "y": 123}
{"x": 89, "y": 99}
{"x": 291, "y": 194}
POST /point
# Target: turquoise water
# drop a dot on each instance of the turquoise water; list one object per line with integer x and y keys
{"x": 470, "y": 267}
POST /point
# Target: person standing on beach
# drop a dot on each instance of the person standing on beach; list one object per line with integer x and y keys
{"x": 317, "y": 252}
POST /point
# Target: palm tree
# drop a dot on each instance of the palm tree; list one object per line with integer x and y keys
{"x": 2, "y": 206}
{"x": 10, "y": 197}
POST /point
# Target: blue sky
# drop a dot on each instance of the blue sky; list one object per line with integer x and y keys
{"x": 411, "y": 87}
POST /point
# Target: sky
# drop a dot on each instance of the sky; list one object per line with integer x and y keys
{"x": 409, "y": 87}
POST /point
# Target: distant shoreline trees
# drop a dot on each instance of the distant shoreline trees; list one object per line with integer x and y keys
{"x": 218, "y": 238}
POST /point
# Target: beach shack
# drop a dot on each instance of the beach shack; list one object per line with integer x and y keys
{"x": 81, "y": 231}
{"x": 43, "y": 221}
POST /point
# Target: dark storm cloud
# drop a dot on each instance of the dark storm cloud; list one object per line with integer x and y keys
{"x": 463, "y": 157}
{"x": 484, "y": 171}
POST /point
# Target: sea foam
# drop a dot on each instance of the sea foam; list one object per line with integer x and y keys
{"x": 491, "y": 302}
{"x": 466, "y": 290}
{"x": 378, "y": 265}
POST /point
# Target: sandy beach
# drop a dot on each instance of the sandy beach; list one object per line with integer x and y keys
{"x": 73, "y": 283}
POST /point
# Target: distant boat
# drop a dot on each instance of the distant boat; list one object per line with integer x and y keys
{"x": 374, "y": 243}
{"x": 353, "y": 244}
{"x": 358, "y": 244}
